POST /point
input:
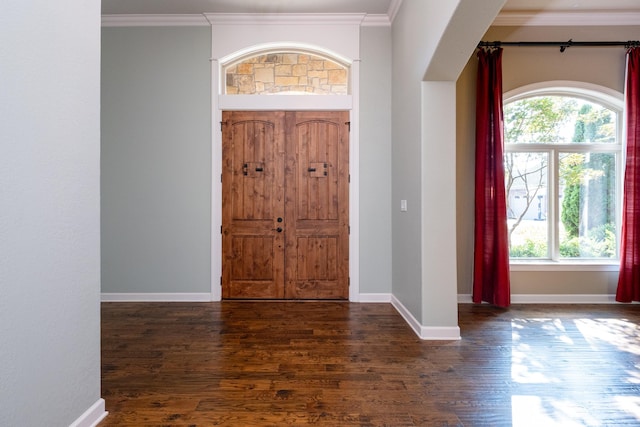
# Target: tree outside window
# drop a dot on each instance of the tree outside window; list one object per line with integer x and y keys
{"x": 562, "y": 175}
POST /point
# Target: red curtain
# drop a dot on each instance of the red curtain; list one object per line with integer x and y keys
{"x": 491, "y": 258}
{"x": 629, "y": 279}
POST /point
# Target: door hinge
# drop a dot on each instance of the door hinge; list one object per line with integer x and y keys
{"x": 220, "y": 280}
{"x": 220, "y": 177}
{"x": 222, "y": 124}
{"x": 220, "y": 229}
{"x": 349, "y": 228}
{"x": 348, "y": 125}
{"x": 349, "y": 178}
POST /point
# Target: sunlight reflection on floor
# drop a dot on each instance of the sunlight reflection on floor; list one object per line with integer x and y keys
{"x": 618, "y": 332}
{"x": 533, "y": 411}
{"x": 551, "y": 388}
{"x": 629, "y": 404}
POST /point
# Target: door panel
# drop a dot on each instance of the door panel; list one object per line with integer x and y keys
{"x": 317, "y": 197}
{"x": 252, "y": 200}
{"x": 285, "y": 205}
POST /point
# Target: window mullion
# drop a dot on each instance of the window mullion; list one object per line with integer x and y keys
{"x": 553, "y": 222}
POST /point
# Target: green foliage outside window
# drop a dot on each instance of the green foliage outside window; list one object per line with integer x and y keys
{"x": 587, "y": 178}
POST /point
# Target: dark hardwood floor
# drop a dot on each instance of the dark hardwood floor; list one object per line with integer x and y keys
{"x": 342, "y": 364}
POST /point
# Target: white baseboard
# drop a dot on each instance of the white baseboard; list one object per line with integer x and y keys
{"x": 205, "y": 297}
{"x": 562, "y": 299}
{"x": 156, "y": 297}
{"x": 375, "y": 298}
{"x": 447, "y": 333}
{"x": 551, "y": 299}
{"x": 465, "y": 299}
{"x": 91, "y": 416}
{"x": 370, "y": 298}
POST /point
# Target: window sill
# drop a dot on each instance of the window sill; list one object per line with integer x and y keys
{"x": 548, "y": 265}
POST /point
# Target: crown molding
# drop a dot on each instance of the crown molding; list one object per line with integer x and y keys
{"x": 376, "y": 21}
{"x": 506, "y": 19}
{"x": 567, "y": 18}
{"x": 192, "y": 20}
{"x": 285, "y": 18}
{"x": 394, "y": 7}
{"x": 154, "y": 20}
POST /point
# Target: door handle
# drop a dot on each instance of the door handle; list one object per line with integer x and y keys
{"x": 279, "y": 229}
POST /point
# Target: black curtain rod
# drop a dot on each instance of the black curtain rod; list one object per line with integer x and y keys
{"x": 562, "y": 45}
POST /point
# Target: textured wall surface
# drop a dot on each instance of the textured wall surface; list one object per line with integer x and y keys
{"x": 50, "y": 211}
{"x": 156, "y": 160}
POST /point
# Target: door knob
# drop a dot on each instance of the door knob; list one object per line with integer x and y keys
{"x": 279, "y": 219}
{"x": 279, "y": 229}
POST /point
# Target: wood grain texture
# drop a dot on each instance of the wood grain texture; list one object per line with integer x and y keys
{"x": 342, "y": 364}
{"x": 252, "y": 200}
{"x": 285, "y": 199}
{"x": 317, "y": 205}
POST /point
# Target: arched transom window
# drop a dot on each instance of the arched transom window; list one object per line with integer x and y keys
{"x": 286, "y": 72}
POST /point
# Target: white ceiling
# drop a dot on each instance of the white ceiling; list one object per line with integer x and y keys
{"x": 336, "y": 6}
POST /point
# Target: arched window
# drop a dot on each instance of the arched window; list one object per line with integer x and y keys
{"x": 563, "y": 170}
{"x": 286, "y": 72}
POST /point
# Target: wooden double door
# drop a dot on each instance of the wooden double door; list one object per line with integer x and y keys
{"x": 285, "y": 205}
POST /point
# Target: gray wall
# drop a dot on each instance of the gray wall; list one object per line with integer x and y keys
{"x": 522, "y": 66}
{"x": 429, "y": 44}
{"x": 156, "y": 160}
{"x": 50, "y": 214}
{"x": 375, "y": 160}
{"x": 410, "y": 41}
